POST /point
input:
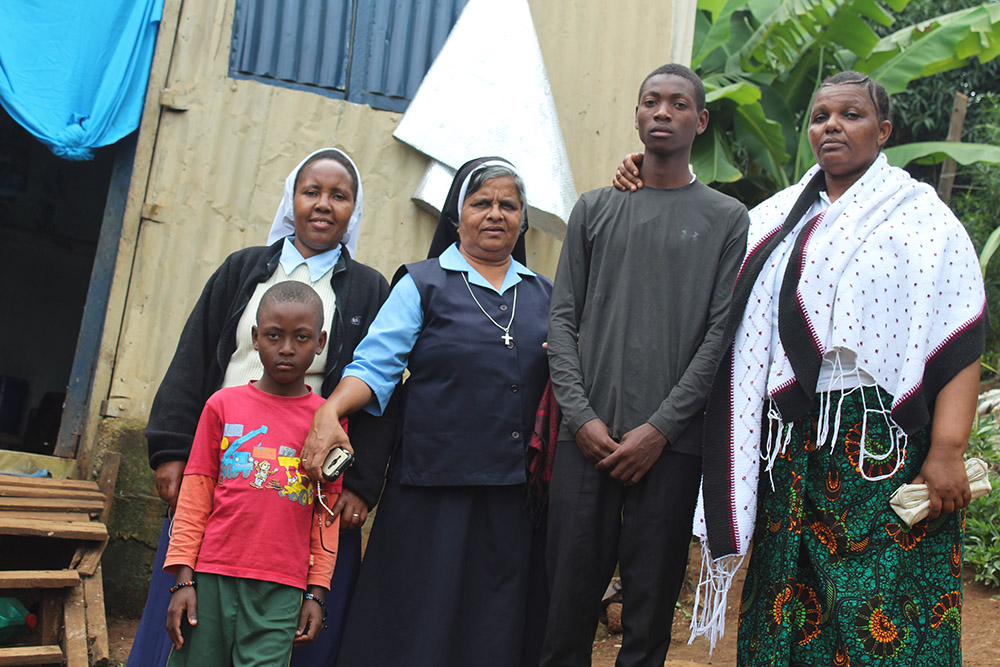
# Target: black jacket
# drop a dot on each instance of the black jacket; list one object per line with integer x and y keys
{"x": 209, "y": 340}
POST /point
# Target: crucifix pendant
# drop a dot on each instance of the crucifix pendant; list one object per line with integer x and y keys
{"x": 508, "y": 340}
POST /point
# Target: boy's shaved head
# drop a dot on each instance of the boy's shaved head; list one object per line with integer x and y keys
{"x": 294, "y": 291}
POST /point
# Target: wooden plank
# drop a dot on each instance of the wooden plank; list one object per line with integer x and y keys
{"x": 69, "y": 517}
{"x": 48, "y": 482}
{"x": 75, "y": 628}
{"x": 6, "y": 490}
{"x": 30, "y": 655}
{"x": 39, "y": 578}
{"x": 106, "y": 481}
{"x": 69, "y": 530}
{"x": 97, "y": 625}
{"x": 50, "y": 617}
{"x": 26, "y": 463}
{"x": 51, "y": 505}
{"x": 88, "y": 557}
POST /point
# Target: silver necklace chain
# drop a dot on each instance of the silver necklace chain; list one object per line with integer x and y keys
{"x": 507, "y": 339}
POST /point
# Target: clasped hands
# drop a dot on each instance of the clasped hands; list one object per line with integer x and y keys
{"x": 626, "y": 461}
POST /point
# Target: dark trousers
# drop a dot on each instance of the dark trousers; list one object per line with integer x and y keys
{"x": 594, "y": 523}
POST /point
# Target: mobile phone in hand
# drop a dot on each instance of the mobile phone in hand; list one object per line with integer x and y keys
{"x": 337, "y": 461}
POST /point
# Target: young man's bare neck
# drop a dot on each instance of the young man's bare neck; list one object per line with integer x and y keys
{"x": 665, "y": 172}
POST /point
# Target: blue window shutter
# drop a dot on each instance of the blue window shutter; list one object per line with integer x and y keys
{"x": 373, "y": 52}
{"x": 395, "y": 44}
{"x": 301, "y": 41}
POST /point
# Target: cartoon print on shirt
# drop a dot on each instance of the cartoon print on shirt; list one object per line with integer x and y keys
{"x": 264, "y": 463}
{"x": 294, "y": 489}
{"x": 261, "y": 468}
{"x": 235, "y": 462}
{"x": 298, "y": 488}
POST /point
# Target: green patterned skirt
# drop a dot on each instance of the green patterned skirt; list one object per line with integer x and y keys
{"x": 835, "y": 578}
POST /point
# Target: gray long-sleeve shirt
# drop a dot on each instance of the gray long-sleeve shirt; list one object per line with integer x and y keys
{"x": 638, "y": 308}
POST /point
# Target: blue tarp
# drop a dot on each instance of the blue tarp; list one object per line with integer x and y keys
{"x": 73, "y": 72}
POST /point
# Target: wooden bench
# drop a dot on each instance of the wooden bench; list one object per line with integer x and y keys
{"x": 73, "y": 628}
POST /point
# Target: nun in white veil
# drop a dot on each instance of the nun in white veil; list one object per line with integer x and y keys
{"x": 312, "y": 239}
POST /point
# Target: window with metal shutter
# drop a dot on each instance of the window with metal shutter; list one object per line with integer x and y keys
{"x": 373, "y": 52}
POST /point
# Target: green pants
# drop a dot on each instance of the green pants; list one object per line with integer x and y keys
{"x": 241, "y": 622}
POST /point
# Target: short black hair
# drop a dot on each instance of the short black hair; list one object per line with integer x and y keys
{"x": 880, "y": 98}
{"x": 295, "y": 292}
{"x": 336, "y": 156}
{"x": 684, "y": 72}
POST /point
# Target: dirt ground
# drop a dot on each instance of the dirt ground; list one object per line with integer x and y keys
{"x": 980, "y": 630}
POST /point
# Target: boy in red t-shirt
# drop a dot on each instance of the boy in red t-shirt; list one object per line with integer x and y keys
{"x": 246, "y": 519}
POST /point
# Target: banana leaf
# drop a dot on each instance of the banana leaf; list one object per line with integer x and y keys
{"x": 711, "y": 158}
{"x": 989, "y": 248}
{"x": 940, "y": 44}
{"x": 932, "y": 152}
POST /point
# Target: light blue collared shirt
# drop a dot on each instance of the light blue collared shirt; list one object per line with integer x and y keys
{"x": 318, "y": 265}
{"x": 381, "y": 357}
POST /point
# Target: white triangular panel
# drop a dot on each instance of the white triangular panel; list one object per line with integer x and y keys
{"x": 487, "y": 94}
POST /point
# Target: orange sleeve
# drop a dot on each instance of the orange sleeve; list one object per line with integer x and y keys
{"x": 324, "y": 541}
{"x": 194, "y": 504}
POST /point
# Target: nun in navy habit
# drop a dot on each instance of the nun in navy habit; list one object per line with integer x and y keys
{"x": 454, "y": 570}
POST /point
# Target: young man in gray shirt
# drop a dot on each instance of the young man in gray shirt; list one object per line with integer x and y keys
{"x": 638, "y": 308}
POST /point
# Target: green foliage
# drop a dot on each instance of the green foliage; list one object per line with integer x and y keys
{"x": 982, "y": 441}
{"x": 976, "y": 202}
{"x": 939, "y": 44}
{"x": 761, "y": 61}
{"x": 989, "y": 248}
{"x": 934, "y": 152}
{"x": 982, "y": 536}
{"x": 982, "y": 518}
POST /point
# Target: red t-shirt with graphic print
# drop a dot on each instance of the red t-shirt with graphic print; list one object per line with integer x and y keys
{"x": 262, "y": 512}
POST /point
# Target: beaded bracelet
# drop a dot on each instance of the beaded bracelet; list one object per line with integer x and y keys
{"x": 310, "y": 596}
{"x": 181, "y": 584}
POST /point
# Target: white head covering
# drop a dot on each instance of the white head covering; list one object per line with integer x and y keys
{"x": 284, "y": 217}
{"x": 479, "y": 167}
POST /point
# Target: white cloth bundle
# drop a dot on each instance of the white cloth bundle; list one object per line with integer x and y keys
{"x": 912, "y": 501}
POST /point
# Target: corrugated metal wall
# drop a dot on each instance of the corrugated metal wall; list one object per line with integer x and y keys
{"x": 304, "y": 42}
{"x": 395, "y": 67}
{"x": 597, "y": 53}
{"x": 309, "y": 42}
{"x": 225, "y": 146}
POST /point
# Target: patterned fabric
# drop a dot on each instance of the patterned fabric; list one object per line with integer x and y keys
{"x": 835, "y": 578}
{"x": 541, "y": 453}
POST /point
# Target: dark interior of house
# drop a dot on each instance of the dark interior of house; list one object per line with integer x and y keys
{"x": 50, "y": 219}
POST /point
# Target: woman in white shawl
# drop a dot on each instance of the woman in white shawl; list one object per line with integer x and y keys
{"x": 852, "y": 366}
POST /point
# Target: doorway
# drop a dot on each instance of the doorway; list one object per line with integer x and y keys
{"x": 51, "y": 213}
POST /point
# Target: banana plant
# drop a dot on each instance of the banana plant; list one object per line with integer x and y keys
{"x": 762, "y": 60}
